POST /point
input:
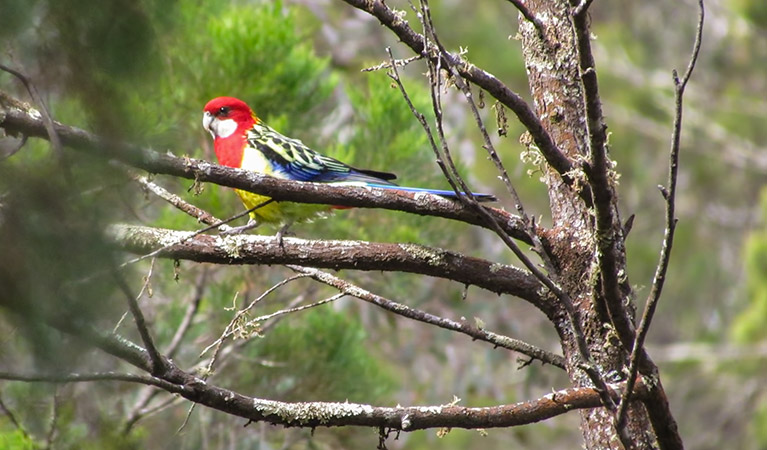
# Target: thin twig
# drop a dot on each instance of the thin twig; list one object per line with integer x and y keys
{"x": 403, "y": 310}
{"x": 669, "y": 195}
{"x": 139, "y": 410}
{"x": 159, "y": 365}
{"x": 228, "y": 331}
{"x": 388, "y": 64}
{"x": 189, "y": 314}
{"x": 144, "y": 287}
{"x": 196, "y": 233}
{"x": 53, "y": 426}
{"x": 15, "y": 149}
{"x": 146, "y": 412}
{"x": 282, "y": 312}
{"x": 235, "y": 322}
{"x": 484, "y": 80}
{"x": 88, "y": 377}
{"x": 400, "y": 309}
{"x": 200, "y": 214}
{"x": 488, "y": 143}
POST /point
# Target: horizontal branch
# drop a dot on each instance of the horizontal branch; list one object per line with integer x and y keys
{"x": 88, "y": 377}
{"x": 314, "y": 414}
{"x": 18, "y": 118}
{"x": 335, "y": 254}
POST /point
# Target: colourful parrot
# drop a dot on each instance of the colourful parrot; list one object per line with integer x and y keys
{"x": 243, "y": 141}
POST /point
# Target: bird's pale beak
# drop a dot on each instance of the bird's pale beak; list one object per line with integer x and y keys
{"x": 207, "y": 120}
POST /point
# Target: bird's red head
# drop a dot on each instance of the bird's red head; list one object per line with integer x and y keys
{"x": 224, "y": 115}
{"x": 227, "y": 119}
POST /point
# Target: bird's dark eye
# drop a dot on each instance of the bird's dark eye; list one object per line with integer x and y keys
{"x": 222, "y": 111}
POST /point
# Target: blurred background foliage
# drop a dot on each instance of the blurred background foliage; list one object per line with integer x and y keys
{"x": 142, "y": 70}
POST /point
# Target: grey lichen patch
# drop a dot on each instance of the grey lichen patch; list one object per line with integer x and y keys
{"x": 146, "y": 237}
{"x": 431, "y": 256}
{"x": 167, "y": 239}
{"x": 426, "y": 410}
{"x": 310, "y": 413}
{"x": 399, "y": 17}
{"x": 497, "y": 267}
{"x": 231, "y": 245}
{"x": 532, "y": 155}
{"x": 9, "y": 103}
{"x": 578, "y": 176}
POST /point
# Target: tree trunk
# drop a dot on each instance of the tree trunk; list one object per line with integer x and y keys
{"x": 553, "y": 69}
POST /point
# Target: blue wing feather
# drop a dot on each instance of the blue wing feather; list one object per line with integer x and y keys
{"x": 293, "y": 160}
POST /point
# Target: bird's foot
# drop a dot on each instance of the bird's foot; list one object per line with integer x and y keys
{"x": 282, "y": 233}
{"x": 230, "y": 231}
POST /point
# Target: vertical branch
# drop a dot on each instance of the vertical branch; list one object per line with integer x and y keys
{"x": 50, "y": 437}
{"x": 598, "y": 171}
{"x": 669, "y": 194}
{"x": 189, "y": 314}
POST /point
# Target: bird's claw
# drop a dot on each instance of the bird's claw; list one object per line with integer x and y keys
{"x": 226, "y": 230}
{"x": 282, "y": 233}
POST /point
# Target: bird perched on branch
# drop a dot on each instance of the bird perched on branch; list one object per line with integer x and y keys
{"x": 243, "y": 141}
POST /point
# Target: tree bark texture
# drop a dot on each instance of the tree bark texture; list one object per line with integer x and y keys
{"x": 555, "y": 78}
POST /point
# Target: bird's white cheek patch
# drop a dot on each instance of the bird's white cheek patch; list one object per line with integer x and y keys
{"x": 224, "y": 128}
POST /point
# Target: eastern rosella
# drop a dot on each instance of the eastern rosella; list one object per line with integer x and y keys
{"x": 243, "y": 141}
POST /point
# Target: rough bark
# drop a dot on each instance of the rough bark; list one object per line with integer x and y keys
{"x": 552, "y": 59}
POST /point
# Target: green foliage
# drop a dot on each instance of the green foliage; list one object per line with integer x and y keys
{"x": 758, "y": 425}
{"x": 16, "y": 439}
{"x": 253, "y": 52}
{"x": 320, "y": 355}
{"x": 17, "y": 16}
{"x": 755, "y": 11}
{"x": 748, "y": 326}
